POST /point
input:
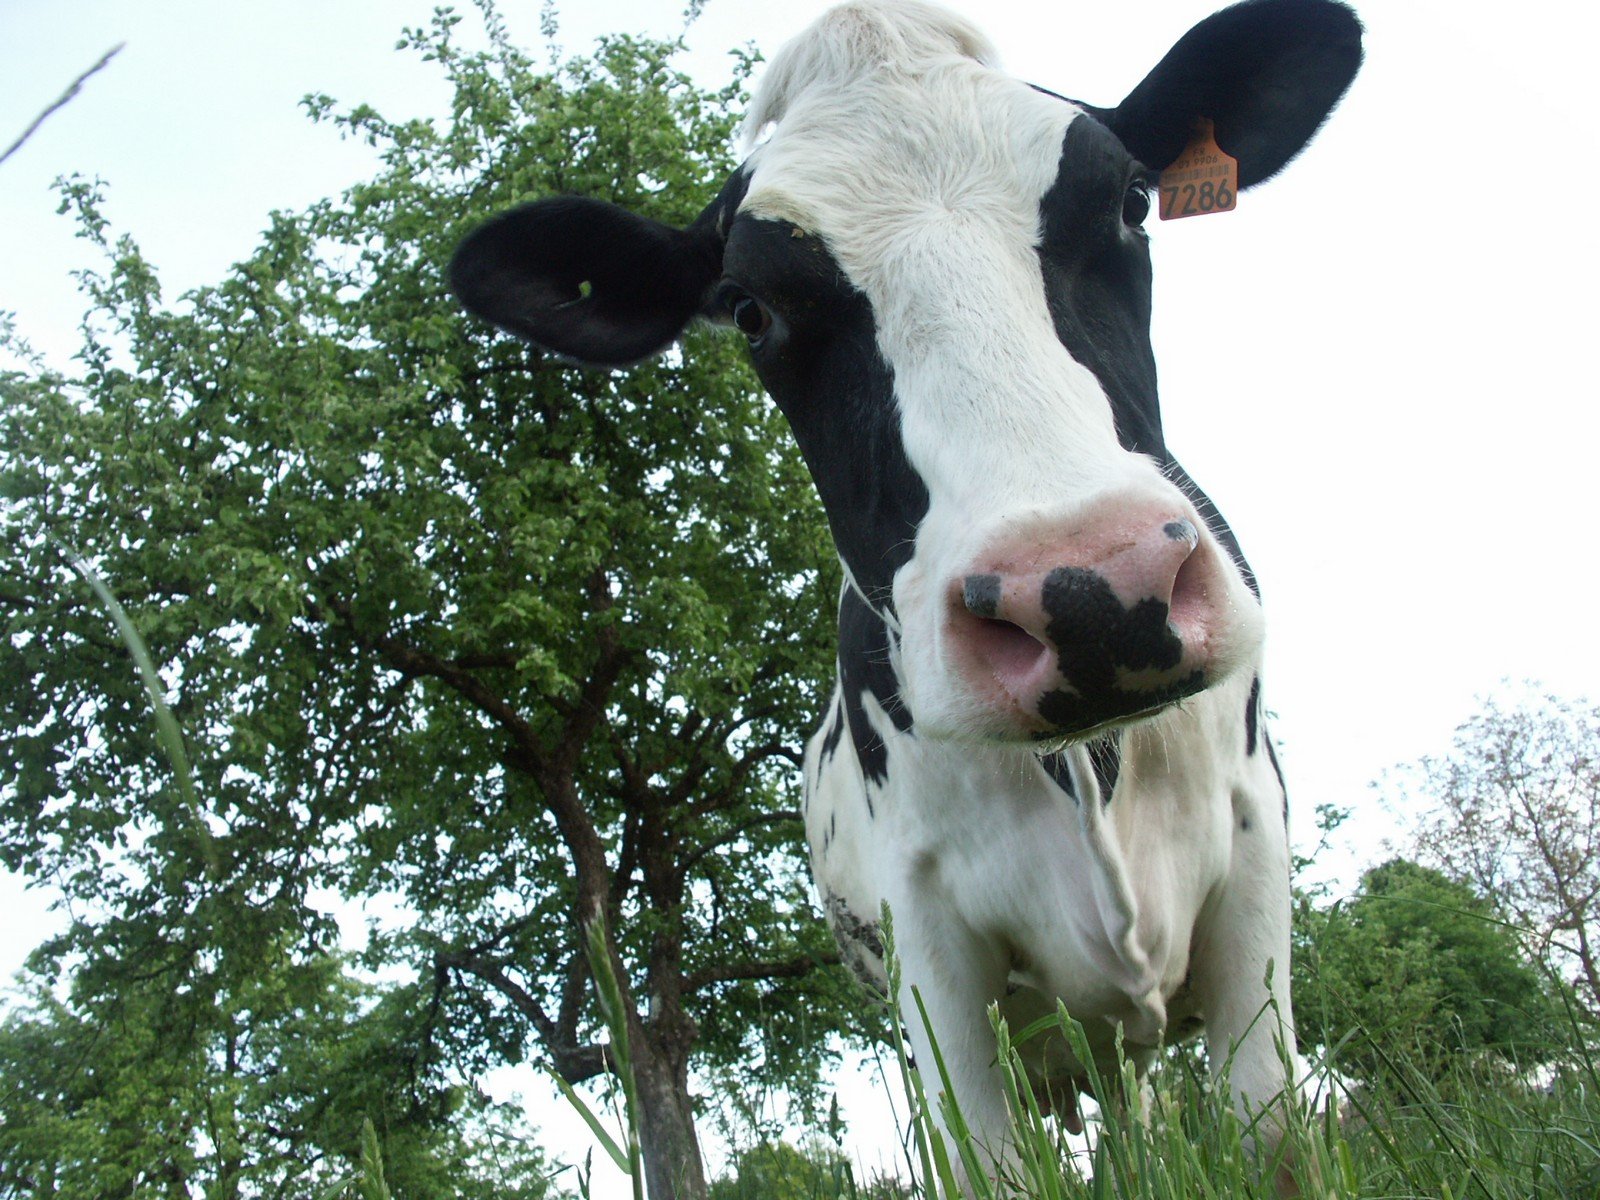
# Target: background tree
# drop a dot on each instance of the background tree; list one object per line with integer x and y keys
{"x": 445, "y": 622}
{"x": 1515, "y": 808}
{"x": 248, "y": 1078}
{"x": 1413, "y": 970}
{"x": 778, "y": 1170}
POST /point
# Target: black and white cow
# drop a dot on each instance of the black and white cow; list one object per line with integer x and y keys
{"x": 1045, "y": 751}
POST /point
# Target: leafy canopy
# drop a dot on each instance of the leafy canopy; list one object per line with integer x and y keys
{"x": 1416, "y": 968}
{"x": 448, "y": 625}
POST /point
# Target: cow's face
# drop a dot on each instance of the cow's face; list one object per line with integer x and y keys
{"x": 952, "y": 306}
{"x": 946, "y": 287}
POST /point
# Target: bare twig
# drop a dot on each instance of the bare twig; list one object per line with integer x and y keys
{"x": 65, "y": 96}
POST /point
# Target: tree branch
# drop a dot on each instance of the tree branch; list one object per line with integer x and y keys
{"x": 573, "y": 1061}
{"x": 72, "y": 90}
{"x": 628, "y": 856}
{"x": 734, "y": 834}
{"x": 793, "y": 968}
{"x": 587, "y": 714}
{"x": 554, "y": 770}
{"x": 413, "y": 663}
{"x": 575, "y": 986}
{"x": 712, "y": 732}
{"x": 494, "y": 974}
{"x": 741, "y": 771}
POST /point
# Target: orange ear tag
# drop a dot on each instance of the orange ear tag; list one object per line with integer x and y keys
{"x": 1201, "y": 180}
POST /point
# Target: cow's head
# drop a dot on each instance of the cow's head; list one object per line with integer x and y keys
{"x": 944, "y": 282}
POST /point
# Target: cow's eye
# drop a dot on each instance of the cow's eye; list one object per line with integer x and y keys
{"x": 749, "y": 315}
{"x": 1135, "y": 205}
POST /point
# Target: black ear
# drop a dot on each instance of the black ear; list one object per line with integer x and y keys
{"x": 1266, "y": 72}
{"x": 587, "y": 279}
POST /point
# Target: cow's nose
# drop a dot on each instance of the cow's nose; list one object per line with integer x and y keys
{"x": 1078, "y": 592}
{"x": 1105, "y": 622}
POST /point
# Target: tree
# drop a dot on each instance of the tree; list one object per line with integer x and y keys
{"x": 779, "y": 1171}
{"x": 1515, "y": 808}
{"x": 443, "y": 620}
{"x": 1414, "y": 969}
{"x": 240, "y": 1081}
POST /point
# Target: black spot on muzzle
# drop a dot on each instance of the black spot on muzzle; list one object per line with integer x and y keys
{"x": 1098, "y": 639}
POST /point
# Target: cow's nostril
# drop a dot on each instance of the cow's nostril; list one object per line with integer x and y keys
{"x": 1006, "y": 649}
{"x": 981, "y": 595}
{"x": 1182, "y": 531}
{"x": 1009, "y": 651}
{"x": 1189, "y": 600}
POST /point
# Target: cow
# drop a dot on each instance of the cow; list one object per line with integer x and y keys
{"x": 1046, "y": 754}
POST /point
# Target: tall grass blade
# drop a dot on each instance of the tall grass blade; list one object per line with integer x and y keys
{"x": 972, "y": 1158}
{"x": 937, "y": 1174}
{"x": 607, "y": 1142}
{"x": 371, "y": 1179}
{"x": 167, "y": 731}
{"x": 626, "y": 1154}
{"x": 614, "y": 1013}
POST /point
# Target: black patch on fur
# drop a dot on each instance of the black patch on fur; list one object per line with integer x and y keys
{"x": 1252, "y": 710}
{"x": 1097, "y": 279}
{"x": 860, "y": 943}
{"x": 592, "y": 281}
{"x": 1105, "y": 759}
{"x": 864, "y": 669}
{"x": 1097, "y": 638}
{"x": 1105, "y": 756}
{"x": 1179, "y": 531}
{"x": 1272, "y": 757}
{"x": 833, "y": 732}
{"x": 1097, "y": 282}
{"x": 1055, "y": 765}
{"x": 820, "y": 362}
{"x": 1071, "y": 713}
{"x": 1096, "y": 634}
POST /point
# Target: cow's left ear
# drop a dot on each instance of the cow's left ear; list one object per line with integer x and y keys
{"x": 1266, "y": 72}
{"x": 587, "y": 279}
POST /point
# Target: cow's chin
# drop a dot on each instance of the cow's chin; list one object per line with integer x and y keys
{"x": 975, "y": 719}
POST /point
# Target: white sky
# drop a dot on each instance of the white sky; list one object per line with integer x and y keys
{"x": 1378, "y": 366}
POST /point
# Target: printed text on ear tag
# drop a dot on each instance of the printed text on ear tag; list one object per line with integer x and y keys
{"x": 1200, "y": 180}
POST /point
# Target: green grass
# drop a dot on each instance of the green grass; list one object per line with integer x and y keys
{"x": 1479, "y": 1132}
{"x": 1482, "y": 1130}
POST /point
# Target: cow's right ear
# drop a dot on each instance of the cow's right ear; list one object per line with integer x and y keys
{"x": 587, "y": 279}
{"x": 1266, "y": 72}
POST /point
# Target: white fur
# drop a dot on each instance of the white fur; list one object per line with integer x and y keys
{"x": 856, "y": 39}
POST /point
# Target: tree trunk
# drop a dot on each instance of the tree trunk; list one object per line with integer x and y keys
{"x": 1586, "y": 956}
{"x": 667, "y": 1140}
